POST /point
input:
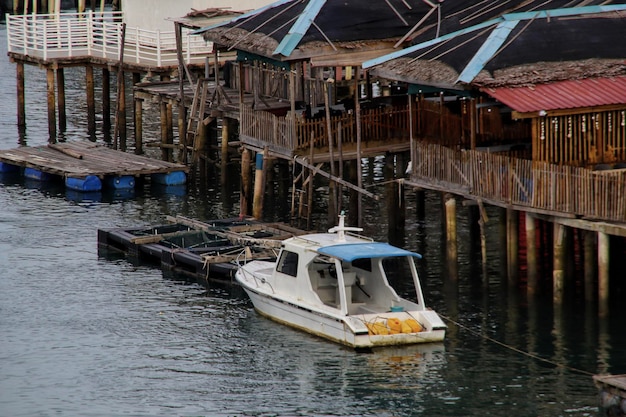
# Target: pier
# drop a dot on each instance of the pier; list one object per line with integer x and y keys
{"x": 86, "y": 166}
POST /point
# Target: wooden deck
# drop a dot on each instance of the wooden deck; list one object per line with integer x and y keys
{"x": 83, "y": 159}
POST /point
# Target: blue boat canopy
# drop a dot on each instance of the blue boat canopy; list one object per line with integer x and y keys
{"x": 351, "y": 251}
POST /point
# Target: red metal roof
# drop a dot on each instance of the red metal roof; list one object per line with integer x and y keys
{"x": 562, "y": 94}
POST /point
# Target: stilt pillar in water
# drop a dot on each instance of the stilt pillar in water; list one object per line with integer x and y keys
{"x": 225, "y": 134}
{"x": 512, "y": 246}
{"x": 121, "y": 112}
{"x": 531, "y": 253}
{"x": 138, "y": 126}
{"x": 259, "y": 186}
{"x": 52, "y": 123}
{"x": 451, "y": 239}
{"x": 245, "y": 181}
{"x": 106, "y": 100}
{"x": 559, "y": 246}
{"x": 21, "y": 98}
{"x": 165, "y": 151}
{"x": 61, "y": 99}
{"x": 591, "y": 266}
{"x": 91, "y": 101}
{"x": 603, "y": 273}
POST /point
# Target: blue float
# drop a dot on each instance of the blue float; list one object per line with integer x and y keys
{"x": 4, "y": 167}
{"x": 172, "y": 178}
{"x": 123, "y": 182}
{"x": 89, "y": 183}
{"x": 35, "y": 174}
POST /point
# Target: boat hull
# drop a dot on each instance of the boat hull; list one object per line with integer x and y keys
{"x": 346, "y": 330}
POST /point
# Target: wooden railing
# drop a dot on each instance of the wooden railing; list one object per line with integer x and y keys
{"x": 98, "y": 35}
{"x": 540, "y": 186}
{"x": 264, "y": 129}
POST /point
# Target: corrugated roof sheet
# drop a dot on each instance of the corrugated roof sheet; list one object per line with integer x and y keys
{"x": 568, "y": 94}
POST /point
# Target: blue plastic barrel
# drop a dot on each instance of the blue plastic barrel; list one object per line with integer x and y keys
{"x": 89, "y": 183}
{"x": 35, "y": 174}
{"x": 4, "y": 167}
{"x": 123, "y": 182}
{"x": 172, "y": 178}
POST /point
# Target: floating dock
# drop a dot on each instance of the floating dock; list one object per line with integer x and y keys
{"x": 207, "y": 250}
{"x": 87, "y": 166}
{"x": 612, "y": 393}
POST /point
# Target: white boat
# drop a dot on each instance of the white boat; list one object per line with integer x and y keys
{"x": 337, "y": 285}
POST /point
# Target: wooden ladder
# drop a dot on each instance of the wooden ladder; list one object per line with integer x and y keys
{"x": 196, "y": 116}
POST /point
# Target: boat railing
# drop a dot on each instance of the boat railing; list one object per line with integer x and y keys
{"x": 99, "y": 36}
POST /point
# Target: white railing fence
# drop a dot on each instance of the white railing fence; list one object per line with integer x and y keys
{"x": 98, "y": 35}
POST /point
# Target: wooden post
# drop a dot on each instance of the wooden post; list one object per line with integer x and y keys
{"x": 163, "y": 119}
{"x": 333, "y": 203}
{"x": 21, "y": 97}
{"x": 451, "y": 239}
{"x": 512, "y": 223}
{"x": 359, "y": 168}
{"x": 245, "y": 182}
{"x": 52, "y": 123}
{"x": 106, "y": 100}
{"x": 170, "y": 130}
{"x": 138, "y": 126}
{"x": 591, "y": 266}
{"x": 603, "y": 274}
{"x": 531, "y": 253}
{"x": 91, "y": 101}
{"x": 122, "y": 113}
{"x": 182, "y": 110}
{"x": 225, "y": 134}
{"x": 259, "y": 185}
{"x": 61, "y": 99}
{"x": 558, "y": 253}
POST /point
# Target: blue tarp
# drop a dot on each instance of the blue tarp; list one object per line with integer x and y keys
{"x": 351, "y": 251}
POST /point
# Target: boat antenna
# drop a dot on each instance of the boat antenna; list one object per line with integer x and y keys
{"x": 341, "y": 228}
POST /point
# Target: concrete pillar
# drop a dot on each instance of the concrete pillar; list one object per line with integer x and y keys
{"x": 603, "y": 273}
{"x": 61, "y": 99}
{"x": 52, "y": 123}
{"x": 91, "y": 101}
{"x": 21, "y": 97}
{"x": 531, "y": 253}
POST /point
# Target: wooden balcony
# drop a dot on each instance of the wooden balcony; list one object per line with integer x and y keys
{"x": 540, "y": 187}
{"x": 97, "y": 36}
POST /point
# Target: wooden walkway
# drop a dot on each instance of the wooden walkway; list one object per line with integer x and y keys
{"x": 84, "y": 159}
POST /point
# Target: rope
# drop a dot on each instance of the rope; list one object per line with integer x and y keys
{"x": 514, "y": 349}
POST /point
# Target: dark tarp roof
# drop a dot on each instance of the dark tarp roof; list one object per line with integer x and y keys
{"x": 517, "y": 49}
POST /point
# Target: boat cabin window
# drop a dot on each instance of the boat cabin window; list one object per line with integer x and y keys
{"x": 364, "y": 264}
{"x": 288, "y": 263}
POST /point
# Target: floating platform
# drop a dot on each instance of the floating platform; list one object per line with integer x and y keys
{"x": 612, "y": 393}
{"x": 207, "y": 250}
{"x": 87, "y": 166}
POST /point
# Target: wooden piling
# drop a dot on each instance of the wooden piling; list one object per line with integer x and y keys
{"x": 531, "y": 253}
{"x": 558, "y": 270}
{"x": 61, "y": 99}
{"x": 512, "y": 246}
{"x": 245, "y": 182}
{"x": 259, "y": 185}
{"x": 106, "y": 100}
{"x": 91, "y": 101}
{"x": 52, "y": 125}
{"x": 165, "y": 152}
{"x": 225, "y": 133}
{"x": 451, "y": 238}
{"x": 138, "y": 126}
{"x": 170, "y": 130}
{"x": 21, "y": 98}
{"x": 122, "y": 112}
{"x": 590, "y": 264}
{"x": 603, "y": 273}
